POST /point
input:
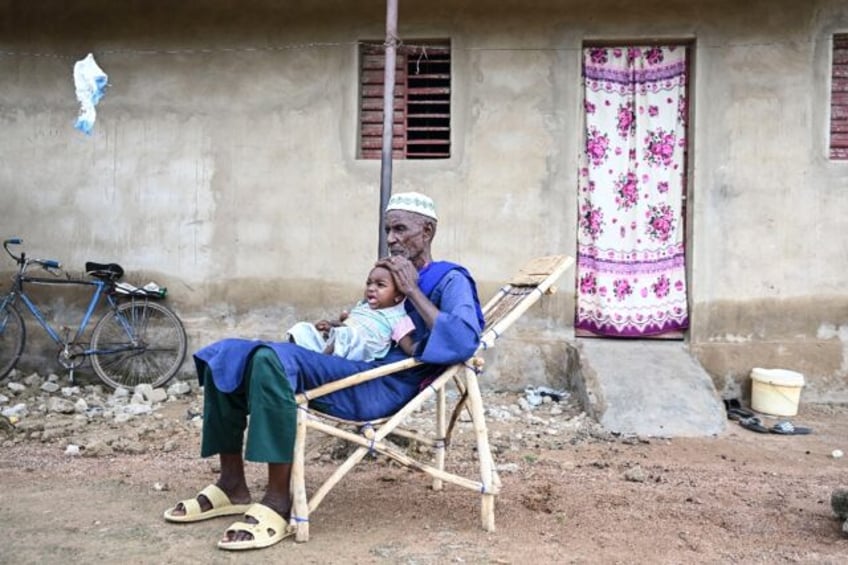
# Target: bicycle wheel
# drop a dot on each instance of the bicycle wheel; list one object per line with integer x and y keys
{"x": 12, "y": 338}
{"x": 139, "y": 342}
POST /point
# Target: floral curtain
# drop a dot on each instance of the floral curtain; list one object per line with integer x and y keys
{"x": 631, "y": 264}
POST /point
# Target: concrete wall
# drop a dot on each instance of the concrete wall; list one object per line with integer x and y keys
{"x": 223, "y": 162}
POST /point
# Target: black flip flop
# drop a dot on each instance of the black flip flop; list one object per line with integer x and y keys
{"x": 735, "y": 410}
{"x": 787, "y": 428}
{"x": 754, "y": 424}
{"x": 739, "y": 414}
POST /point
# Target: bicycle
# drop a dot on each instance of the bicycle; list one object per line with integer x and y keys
{"x": 136, "y": 341}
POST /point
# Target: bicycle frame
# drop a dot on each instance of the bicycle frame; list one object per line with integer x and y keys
{"x": 100, "y": 287}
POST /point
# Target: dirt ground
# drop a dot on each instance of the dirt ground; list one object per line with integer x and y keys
{"x": 571, "y": 494}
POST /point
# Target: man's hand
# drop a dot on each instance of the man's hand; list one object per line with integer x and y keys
{"x": 406, "y": 278}
{"x": 403, "y": 272}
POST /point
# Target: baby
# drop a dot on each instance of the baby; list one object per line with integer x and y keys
{"x": 368, "y": 331}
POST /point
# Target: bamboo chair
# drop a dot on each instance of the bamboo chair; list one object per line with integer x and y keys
{"x": 510, "y": 302}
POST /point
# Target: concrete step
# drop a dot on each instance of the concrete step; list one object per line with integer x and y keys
{"x": 648, "y": 388}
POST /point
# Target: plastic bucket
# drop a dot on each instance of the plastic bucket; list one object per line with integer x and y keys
{"x": 776, "y": 391}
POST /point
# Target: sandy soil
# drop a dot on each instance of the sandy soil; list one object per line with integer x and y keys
{"x": 571, "y": 494}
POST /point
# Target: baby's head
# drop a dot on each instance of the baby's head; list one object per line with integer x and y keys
{"x": 380, "y": 289}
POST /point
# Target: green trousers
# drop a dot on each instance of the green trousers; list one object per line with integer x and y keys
{"x": 267, "y": 397}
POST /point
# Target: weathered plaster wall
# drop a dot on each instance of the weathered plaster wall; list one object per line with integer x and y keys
{"x": 223, "y": 161}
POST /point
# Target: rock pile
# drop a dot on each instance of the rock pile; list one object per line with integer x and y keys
{"x": 89, "y": 419}
{"x": 94, "y": 421}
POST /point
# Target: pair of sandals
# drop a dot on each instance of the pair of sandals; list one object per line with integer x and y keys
{"x": 750, "y": 421}
{"x": 783, "y": 427}
{"x": 269, "y": 527}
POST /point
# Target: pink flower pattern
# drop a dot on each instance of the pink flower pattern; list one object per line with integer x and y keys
{"x": 631, "y": 263}
{"x": 661, "y": 220}
{"x": 661, "y": 287}
{"x": 659, "y": 147}
{"x": 597, "y": 146}
{"x": 626, "y": 121}
{"x": 627, "y": 191}
{"x": 591, "y": 219}
{"x": 622, "y": 289}
{"x": 588, "y": 284}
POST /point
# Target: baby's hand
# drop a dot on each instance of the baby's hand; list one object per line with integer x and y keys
{"x": 323, "y": 326}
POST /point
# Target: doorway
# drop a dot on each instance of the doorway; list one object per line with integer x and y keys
{"x": 631, "y": 260}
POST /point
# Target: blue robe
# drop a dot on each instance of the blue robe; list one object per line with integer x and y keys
{"x": 453, "y": 338}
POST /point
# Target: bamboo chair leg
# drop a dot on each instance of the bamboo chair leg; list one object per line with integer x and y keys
{"x": 440, "y": 446}
{"x": 300, "y": 508}
{"x": 484, "y": 454}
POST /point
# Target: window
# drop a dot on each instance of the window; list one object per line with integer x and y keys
{"x": 421, "y": 124}
{"x": 839, "y": 99}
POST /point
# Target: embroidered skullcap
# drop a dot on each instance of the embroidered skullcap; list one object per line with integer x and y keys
{"x": 413, "y": 202}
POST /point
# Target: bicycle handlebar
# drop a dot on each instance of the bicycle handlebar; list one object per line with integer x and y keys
{"x": 13, "y": 241}
{"x": 23, "y": 261}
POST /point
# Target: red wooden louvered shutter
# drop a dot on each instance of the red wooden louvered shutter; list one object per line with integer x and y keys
{"x": 372, "y": 65}
{"x": 428, "y": 102}
{"x": 421, "y": 121}
{"x": 839, "y": 99}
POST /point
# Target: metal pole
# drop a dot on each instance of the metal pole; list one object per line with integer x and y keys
{"x": 388, "y": 118}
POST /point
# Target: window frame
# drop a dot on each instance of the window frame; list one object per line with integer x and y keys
{"x": 423, "y": 106}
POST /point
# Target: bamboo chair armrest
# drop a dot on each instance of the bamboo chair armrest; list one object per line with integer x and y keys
{"x": 356, "y": 379}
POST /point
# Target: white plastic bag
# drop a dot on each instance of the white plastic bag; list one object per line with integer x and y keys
{"x": 90, "y": 82}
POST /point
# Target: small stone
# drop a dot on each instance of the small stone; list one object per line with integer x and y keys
{"x": 158, "y": 395}
{"x": 72, "y": 450}
{"x": 635, "y": 474}
{"x": 139, "y": 399}
{"x": 19, "y": 410}
{"x": 179, "y": 388}
{"x": 97, "y": 448}
{"x": 50, "y": 387}
{"x": 507, "y": 468}
{"x": 136, "y": 409}
{"x": 837, "y": 454}
{"x": 32, "y": 380}
{"x": 59, "y": 405}
{"x": 145, "y": 390}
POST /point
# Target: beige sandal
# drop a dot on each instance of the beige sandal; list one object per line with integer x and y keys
{"x": 270, "y": 528}
{"x": 221, "y": 506}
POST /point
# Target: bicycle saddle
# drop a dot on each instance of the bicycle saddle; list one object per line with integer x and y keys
{"x": 105, "y": 271}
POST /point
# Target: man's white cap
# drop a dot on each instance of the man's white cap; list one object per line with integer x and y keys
{"x": 413, "y": 202}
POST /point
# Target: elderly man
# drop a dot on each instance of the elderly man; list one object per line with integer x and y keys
{"x": 242, "y": 377}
